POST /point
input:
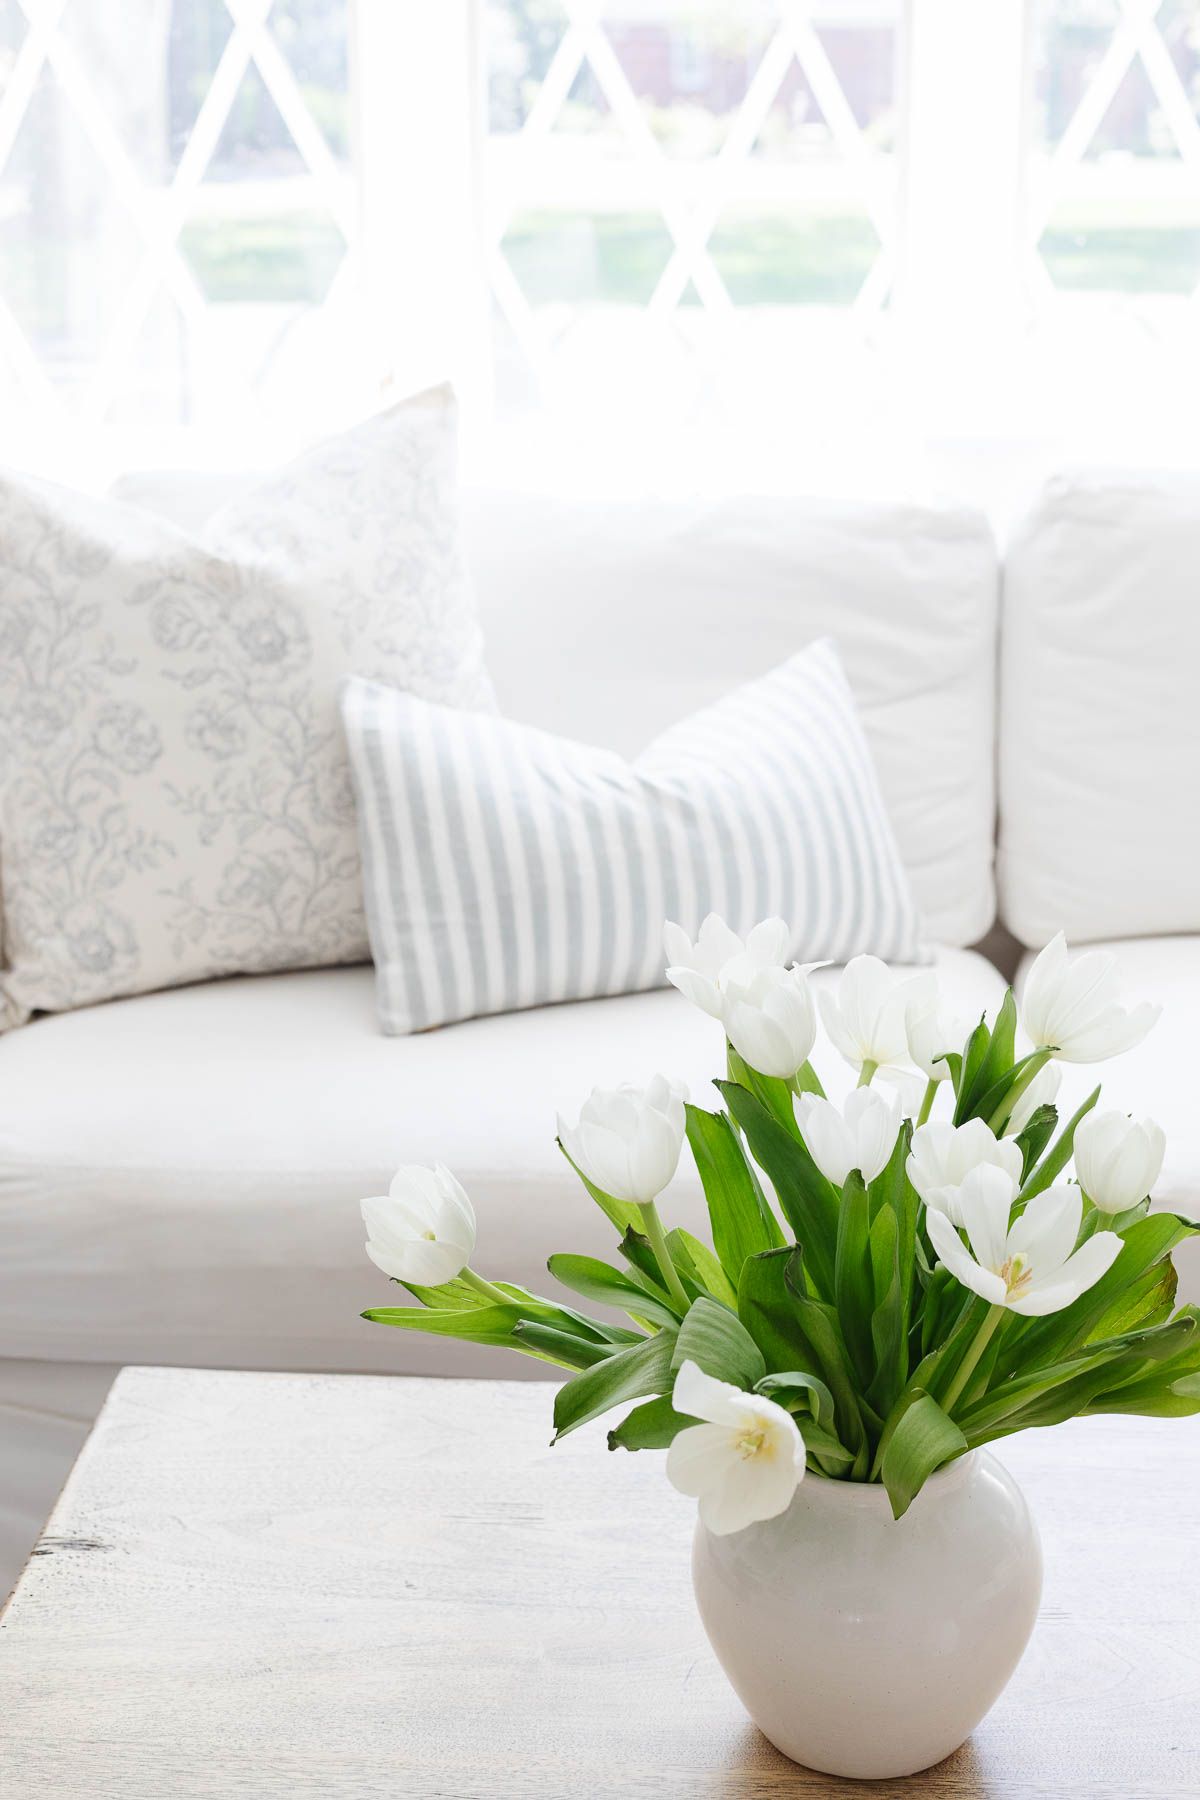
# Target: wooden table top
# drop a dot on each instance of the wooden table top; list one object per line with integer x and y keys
{"x": 303, "y": 1585}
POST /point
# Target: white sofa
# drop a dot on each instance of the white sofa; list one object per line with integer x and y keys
{"x": 179, "y": 1172}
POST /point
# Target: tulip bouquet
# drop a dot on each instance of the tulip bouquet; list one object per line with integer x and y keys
{"x": 881, "y": 1293}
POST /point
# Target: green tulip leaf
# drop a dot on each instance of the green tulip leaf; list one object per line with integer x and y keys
{"x": 1031, "y": 1141}
{"x": 808, "y": 1201}
{"x": 1055, "y": 1161}
{"x": 853, "y": 1277}
{"x": 651, "y": 1426}
{"x": 822, "y": 1445}
{"x": 597, "y": 1281}
{"x": 716, "y": 1341}
{"x": 742, "y": 1222}
{"x": 968, "y": 1066}
{"x": 697, "y": 1263}
{"x": 631, "y": 1374}
{"x": 773, "y": 1094}
{"x": 992, "y": 1073}
{"x": 922, "y": 1441}
{"x": 790, "y": 1383}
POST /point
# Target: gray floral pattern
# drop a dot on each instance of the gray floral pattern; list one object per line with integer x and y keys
{"x": 175, "y": 799}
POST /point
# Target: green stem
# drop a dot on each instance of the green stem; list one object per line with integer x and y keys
{"x": 487, "y": 1288}
{"x": 652, "y": 1225}
{"x": 975, "y": 1350}
{"x": 866, "y": 1073}
{"x": 1003, "y": 1112}
{"x": 931, "y": 1088}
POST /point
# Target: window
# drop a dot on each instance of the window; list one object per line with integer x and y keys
{"x": 227, "y": 225}
{"x": 1116, "y": 146}
{"x": 177, "y": 214}
{"x": 670, "y": 183}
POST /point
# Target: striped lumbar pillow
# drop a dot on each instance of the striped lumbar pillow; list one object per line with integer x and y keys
{"x": 505, "y": 867}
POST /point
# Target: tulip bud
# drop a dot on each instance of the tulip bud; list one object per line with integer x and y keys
{"x": 423, "y": 1229}
{"x": 1070, "y": 1007}
{"x": 865, "y": 1018}
{"x": 702, "y": 971}
{"x": 628, "y": 1139}
{"x": 943, "y": 1155}
{"x": 1117, "y": 1159}
{"x": 932, "y": 1031}
{"x": 771, "y": 1022}
{"x": 861, "y": 1136}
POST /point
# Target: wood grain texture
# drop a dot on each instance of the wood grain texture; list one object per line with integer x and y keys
{"x": 306, "y": 1585}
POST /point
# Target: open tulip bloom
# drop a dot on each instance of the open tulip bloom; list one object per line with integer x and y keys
{"x": 878, "y": 1294}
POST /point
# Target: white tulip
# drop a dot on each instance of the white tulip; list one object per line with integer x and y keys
{"x": 932, "y": 1030}
{"x": 702, "y": 970}
{"x": 866, "y": 1017}
{"x": 770, "y": 1020}
{"x": 423, "y": 1229}
{"x": 1070, "y": 1007}
{"x": 1031, "y": 1267}
{"x": 628, "y": 1139}
{"x": 1117, "y": 1159}
{"x": 943, "y": 1155}
{"x": 861, "y": 1136}
{"x": 1042, "y": 1091}
{"x": 744, "y": 1463}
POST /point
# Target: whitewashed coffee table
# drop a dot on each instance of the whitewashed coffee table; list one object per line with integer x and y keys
{"x": 305, "y": 1585}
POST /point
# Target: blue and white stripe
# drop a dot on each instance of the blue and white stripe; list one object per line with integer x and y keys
{"x": 506, "y": 868}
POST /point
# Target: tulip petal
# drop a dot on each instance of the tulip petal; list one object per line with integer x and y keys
{"x": 1081, "y": 1271}
{"x": 1089, "y": 986}
{"x": 768, "y": 942}
{"x": 702, "y": 1396}
{"x": 1047, "y": 1229}
{"x": 718, "y": 941}
{"x": 985, "y": 1200}
{"x": 961, "y": 1264}
{"x": 1041, "y": 984}
{"x": 750, "y": 1490}
{"x": 1114, "y": 1032}
{"x": 700, "y": 989}
{"x": 699, "y": 1456}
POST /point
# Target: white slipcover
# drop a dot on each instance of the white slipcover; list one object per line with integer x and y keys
{"x": 1099, "y": 721}
{"x": 180, "y": 1172}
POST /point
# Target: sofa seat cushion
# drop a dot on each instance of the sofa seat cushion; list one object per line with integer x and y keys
{"x": 180, "y": 1172}
{"x": 1158, "y": 1077}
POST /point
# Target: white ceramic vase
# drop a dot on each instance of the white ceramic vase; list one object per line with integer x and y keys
{"x": 868, "y": 1646}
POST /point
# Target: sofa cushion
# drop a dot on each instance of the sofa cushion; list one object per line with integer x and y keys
{"x": 607, "y": 620}
{"x": 180, "y": 1172}
{"x": 1099, "y": 727}
{"x": 505, "y": 867}
{"x": 175, "y": 796}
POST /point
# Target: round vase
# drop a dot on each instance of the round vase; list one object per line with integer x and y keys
{"x": 867, "y": 1646}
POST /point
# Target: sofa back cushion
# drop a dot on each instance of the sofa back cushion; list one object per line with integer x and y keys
{"x": 1099, "y": 725}
{"x": 609, "y": 620}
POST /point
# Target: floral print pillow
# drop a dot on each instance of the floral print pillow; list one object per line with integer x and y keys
{"x": 175, "y": 798}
